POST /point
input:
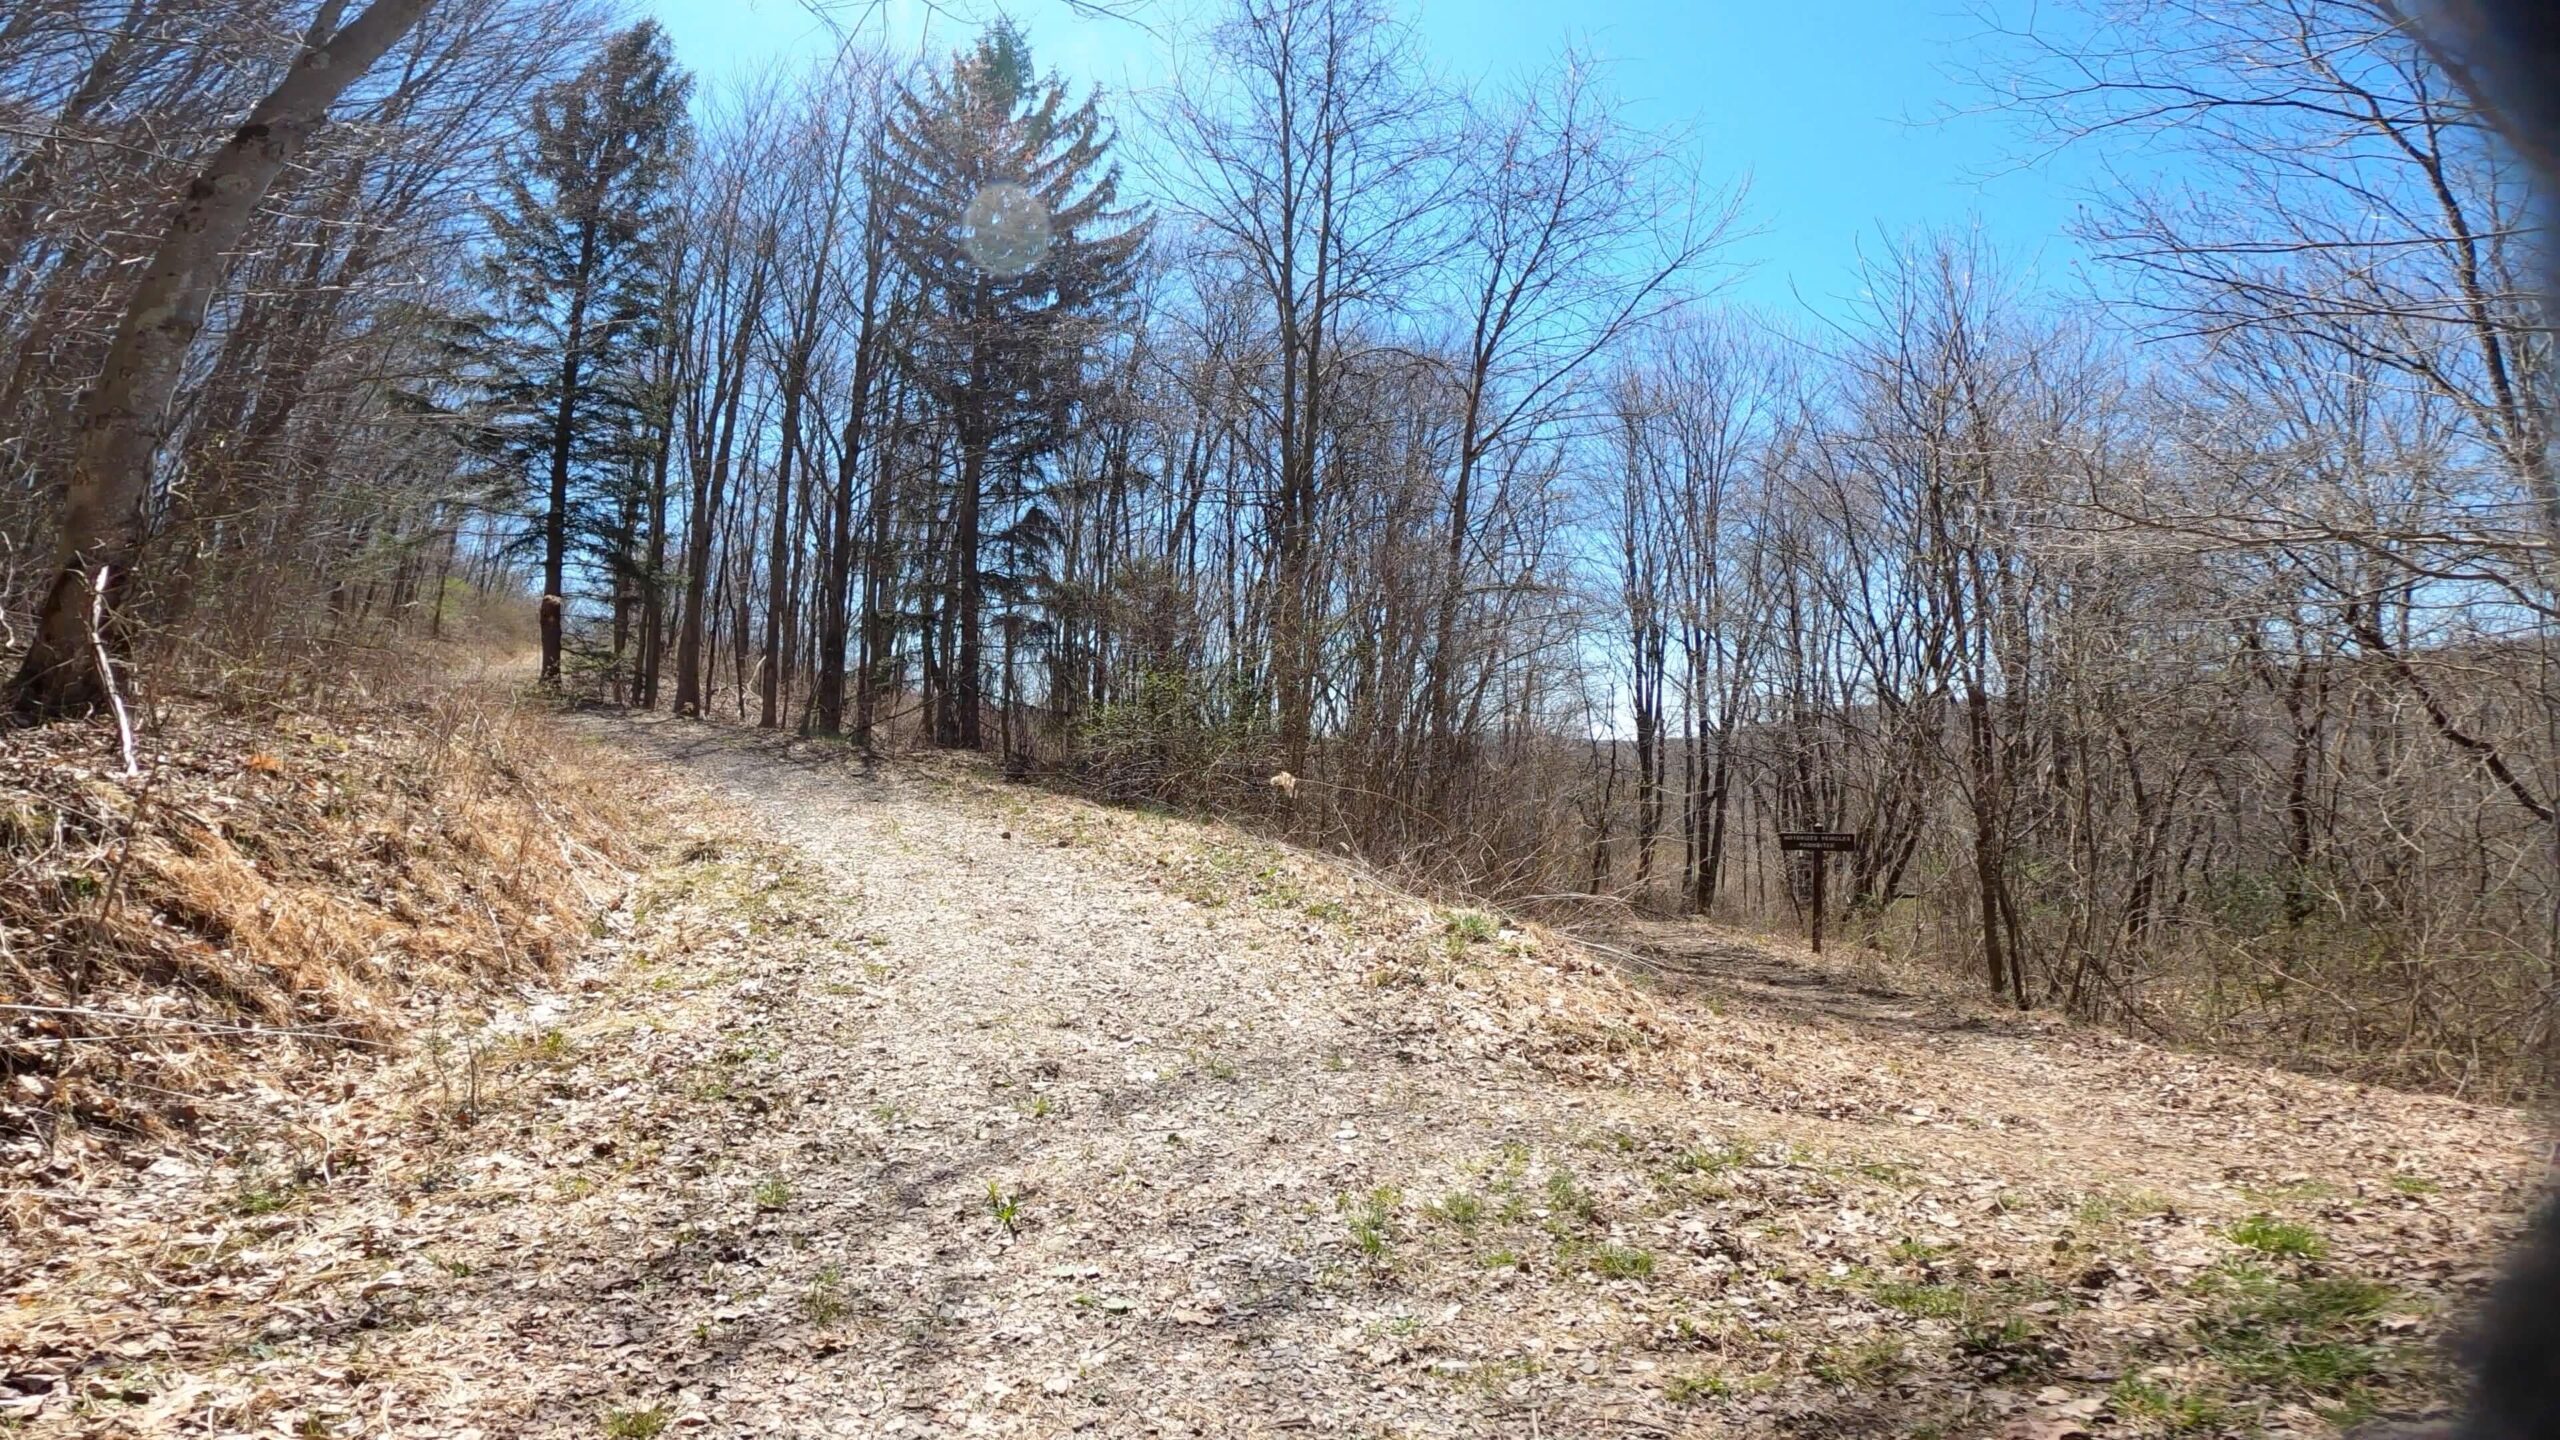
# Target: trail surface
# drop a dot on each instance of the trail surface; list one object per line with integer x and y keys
{"x": 900, "y": 1102}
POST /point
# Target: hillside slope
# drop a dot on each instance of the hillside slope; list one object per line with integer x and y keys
{"x": 897, "y": 1101}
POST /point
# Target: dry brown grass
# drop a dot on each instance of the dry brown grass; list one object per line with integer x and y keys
{"x": 283, "y": 883}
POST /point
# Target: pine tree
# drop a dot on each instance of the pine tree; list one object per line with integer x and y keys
{"x": 1000, "y": 203}
{"x": 576, "y": 275}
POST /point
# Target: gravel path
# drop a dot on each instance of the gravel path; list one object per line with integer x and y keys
{"x": 1170, "y": 1100}
{"x": 902, "y": 1102}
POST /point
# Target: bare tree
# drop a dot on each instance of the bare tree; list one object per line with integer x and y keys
{"x": 69, "y": 666}
{"x": 1304, "y": 152}
{"x": 1573, "y": 231}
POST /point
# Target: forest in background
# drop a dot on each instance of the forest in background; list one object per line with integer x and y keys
{"x": 1321, "y": 442}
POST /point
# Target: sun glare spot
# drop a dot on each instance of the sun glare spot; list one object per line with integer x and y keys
{"x": 1005, "y": 230}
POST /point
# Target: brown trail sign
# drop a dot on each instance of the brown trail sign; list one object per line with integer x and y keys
{"x": 1822, "y": 845}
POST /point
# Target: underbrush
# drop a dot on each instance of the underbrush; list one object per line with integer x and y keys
{"x": 2448, "y": 1009}
{"x": 279, "y": 885}
{"x": 2416, "y": 986}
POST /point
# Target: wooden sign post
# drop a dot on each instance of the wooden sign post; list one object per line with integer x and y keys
{"x": 1820, "y": 844}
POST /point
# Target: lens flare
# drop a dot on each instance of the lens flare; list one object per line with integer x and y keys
{"x": 1005, "y": 230}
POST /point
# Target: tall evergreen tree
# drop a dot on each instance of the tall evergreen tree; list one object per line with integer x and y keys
{"x": 577, "y": 275}
{"x": 1000, "y": 202}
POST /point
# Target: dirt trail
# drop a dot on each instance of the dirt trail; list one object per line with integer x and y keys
{"x": 937, "y": 1107}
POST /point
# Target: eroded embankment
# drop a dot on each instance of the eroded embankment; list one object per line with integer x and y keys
{"x": 271, "y": 898}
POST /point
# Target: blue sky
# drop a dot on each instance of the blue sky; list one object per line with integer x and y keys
{"x": 1844, "y": 114}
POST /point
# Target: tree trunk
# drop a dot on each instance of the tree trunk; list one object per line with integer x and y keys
{"x": 692, "y": 674}
{"x": 837, "y": 602}
{"x": 564, "y": 431}
{"x": 878, "y": 625}
{"x": 653, "y": 580}
{"x": 962, "y": 698}
{"x": 769, "y": 678}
